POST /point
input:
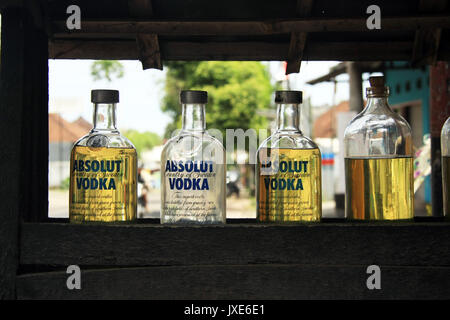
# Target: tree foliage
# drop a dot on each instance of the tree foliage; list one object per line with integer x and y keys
{"x": 143, "y": 140}
{"x": 106, "y": 70}
{"x": 236, "y": 91}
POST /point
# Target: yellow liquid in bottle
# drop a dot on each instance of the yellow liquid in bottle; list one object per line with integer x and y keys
{"x": 446, "y": 185}
{"x": 379, "y": 189}
{"x": 289, "y": 185}
{"x": 102, "y": 184}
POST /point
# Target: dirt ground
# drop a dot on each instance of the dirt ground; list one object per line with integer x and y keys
{"x": 236, "y": 207}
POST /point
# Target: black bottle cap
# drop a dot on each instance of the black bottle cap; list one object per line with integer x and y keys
{"x": 288, "y": 96}
{"x": 104, "y": 96}
{"x": 193, "y": 96}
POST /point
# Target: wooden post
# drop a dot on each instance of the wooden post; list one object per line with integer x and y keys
{"x": 439, "y": 112}
{"x": 11, "y": 108}
{"x": 24, "y": 135}
{"x": 355, "y": 83}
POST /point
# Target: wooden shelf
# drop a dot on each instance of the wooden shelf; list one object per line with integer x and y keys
{"x": 256, "y": 261}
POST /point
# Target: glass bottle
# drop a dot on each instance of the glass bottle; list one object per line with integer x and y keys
{"x": 288, "y": 169}
{"x": 103, "y": 166}
{"x": 445, "y": 149}
{"x": 193, "y": 169}
{"x": 378, "y": 161}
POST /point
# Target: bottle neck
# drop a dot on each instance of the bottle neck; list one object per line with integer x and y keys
{"x": 377, "y": 105}
{"x": 288, "y": 117}
{"x": 104, "y": 117}
{"x": 193, "y": 117}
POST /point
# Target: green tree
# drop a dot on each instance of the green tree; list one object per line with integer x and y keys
{"x": 236, "y": 91}
{"x": 106, "y": 70}
{"x": 142, "y": 140}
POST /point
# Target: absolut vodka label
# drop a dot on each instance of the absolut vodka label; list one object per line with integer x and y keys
{"x": 193, "y": 190}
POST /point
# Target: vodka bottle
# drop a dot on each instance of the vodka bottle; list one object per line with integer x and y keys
{"x": 103, "y": 170}
{"x": 288, "y": 170}
{"x": 193, "y": 169}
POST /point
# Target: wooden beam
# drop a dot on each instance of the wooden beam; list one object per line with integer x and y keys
{"x": 140, "y": 8}
{"x": 298, "y": 39}
{"x": 12, "y": 109}
{"x": 427, "y": 39}
{"x": 147, "y": 44}
{"x": 241, "y": 282}
{"x": 426, "y": 46}
{"x": 419, "y": 244}
{"x": 148, "y": 51}
{"x": 304, "y": 8}
{"x": 296, "y": 50}
{"x": 24, "y": 128}
{"x": 243, "y": 51}
{"x": 257, "y": 27}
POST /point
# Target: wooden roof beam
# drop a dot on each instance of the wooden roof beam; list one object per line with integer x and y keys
{"x": 254, "y": 27}
{"x": 243, "y": 51}
{"x": 147, "y": 43}
{"x": 426, "y": 46}
{"x": 140, "y": 8}
{"x": 298, "y": 39}
{"x": 148, "y": 51}
{"x": 427, "y": 39}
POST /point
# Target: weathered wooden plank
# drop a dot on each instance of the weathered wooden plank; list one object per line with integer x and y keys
{"x": 147, "y": 44}
{"x": 298, "y": 39}
{"x": 12, "y": 109}
{"x": 244, "y": 51}
{"x": 246, "y": 27}
{"x": 24, "y": 128}
{"x": 148, "y": 51}
{"x": 34, "y": 144}
{"x": 241, "y": 282}
{"x": 418, "y": 244}
{"x": 140, "y": 8}
{"x": 426, "y": 46}
{"x": 296, "y": 50}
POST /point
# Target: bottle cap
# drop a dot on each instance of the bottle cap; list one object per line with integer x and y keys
{"x": 104, "y": 96}
{"x": 288, "y": 96}
{"x": 193, "y": 97}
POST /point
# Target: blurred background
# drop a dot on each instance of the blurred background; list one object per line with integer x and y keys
{"x": 241, "y": 95}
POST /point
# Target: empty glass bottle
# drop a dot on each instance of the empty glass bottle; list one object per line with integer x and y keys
{"x": 445, "y": 149}
{"x": 193, "y": 169}
{"x": 378, "y": 161}
{"x": 103, "y": 166}
{"x": 288, "y": 169}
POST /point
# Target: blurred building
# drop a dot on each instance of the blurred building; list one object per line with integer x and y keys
{"x": 62, "y": 135}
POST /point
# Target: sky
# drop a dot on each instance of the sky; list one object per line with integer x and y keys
{"x": 141, "y": 91}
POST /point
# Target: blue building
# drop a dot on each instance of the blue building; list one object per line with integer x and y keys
{"x": 410, "y": 96}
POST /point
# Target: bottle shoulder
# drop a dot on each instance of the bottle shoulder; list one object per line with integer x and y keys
{"x": 289, "y": 141}
{"x": 110, "y": 139}
{"x": 375, "y": 121}
{"x": 193, "y": 145}
{"x": 378, "y": 134}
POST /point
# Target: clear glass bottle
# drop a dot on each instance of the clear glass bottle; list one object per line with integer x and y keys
{"x": 378, "y": 161}
{"x": 288, "y": 169}
{"x": 103, "y": 166}
{"x": 193, "y": 169}
{"x": 445, "y": 149}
